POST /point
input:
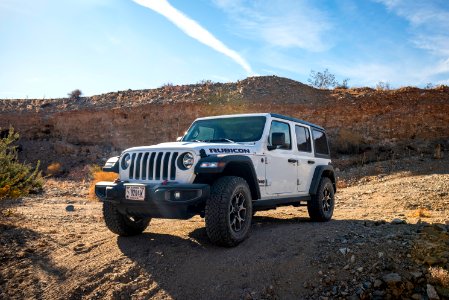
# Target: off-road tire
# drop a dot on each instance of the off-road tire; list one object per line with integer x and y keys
{"x": 321, "y": 206}
{"x": 219, "y": 211}
{"x": 121, "y": 224}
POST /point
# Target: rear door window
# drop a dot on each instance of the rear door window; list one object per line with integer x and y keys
{"x": 303, "y": 141}
{"x": 320, "y": 141}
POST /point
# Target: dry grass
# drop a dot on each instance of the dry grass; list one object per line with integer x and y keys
{"x": 341, "y": 184}
{"x": 439, "y": 276}
{"x": 420, "y": 213}
{"x": 54, "y": 169}
{"x": 98, "y": 176}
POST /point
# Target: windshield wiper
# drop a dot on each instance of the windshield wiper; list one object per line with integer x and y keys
{"x": 220, "y": 140}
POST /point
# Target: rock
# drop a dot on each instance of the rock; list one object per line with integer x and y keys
{"x": 367, "y": 285}
{"x": 392, "y": 278}
{"x": 344, "y": 251}
{"x": 416, "y": 275}
{"x": 247, "y": 296}
{"x": 378, "y": 293}
{"x": 397, "y": 221}
{"x": 432, "y": 293}
{"x": 380, "y": 254}
{"x": 70, "y": 208}
{"x": 352, "y": 259}
{"x": 442, "y": 291}
{"x": 360, "y": 269}
{"x": 377, "y": 283}
{"x": 416, "y": 297}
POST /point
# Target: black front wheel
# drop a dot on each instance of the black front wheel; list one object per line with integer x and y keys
{"x": 121, "y": 224}
{"x": 229, "y": 211}
{"x": 321, "y": 206}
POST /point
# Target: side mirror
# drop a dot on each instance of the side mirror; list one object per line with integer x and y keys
{"x": 277, "y": 139}
{"x": 112, "y": 165}
{"x": 179, "y": 138}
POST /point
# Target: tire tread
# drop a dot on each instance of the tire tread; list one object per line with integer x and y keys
{"x": 117, "y": 223}
{"x": 216, "y": 225}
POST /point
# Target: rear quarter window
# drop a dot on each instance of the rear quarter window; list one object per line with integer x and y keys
{"x": 320, "y": 141}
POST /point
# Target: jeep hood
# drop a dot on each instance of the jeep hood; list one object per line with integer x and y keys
{"x": 210, "y": 148}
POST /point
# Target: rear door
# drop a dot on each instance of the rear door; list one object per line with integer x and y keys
{"x": 306, "y": 159}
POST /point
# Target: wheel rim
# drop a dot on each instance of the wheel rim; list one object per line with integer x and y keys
{"x": 237, "y": 212}
{"x": 327, "y": 200}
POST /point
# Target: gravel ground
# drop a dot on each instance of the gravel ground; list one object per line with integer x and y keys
{"x": 390, "y": 228}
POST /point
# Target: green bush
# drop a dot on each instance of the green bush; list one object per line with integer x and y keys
{"x": 16, "y": 179}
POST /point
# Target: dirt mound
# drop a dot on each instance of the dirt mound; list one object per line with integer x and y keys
{"x": 381, "y": 124}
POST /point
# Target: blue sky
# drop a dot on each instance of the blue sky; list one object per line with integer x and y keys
{"x": 51, "y": 47}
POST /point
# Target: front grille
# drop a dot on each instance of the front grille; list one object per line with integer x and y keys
{"x": 153, "y": 166}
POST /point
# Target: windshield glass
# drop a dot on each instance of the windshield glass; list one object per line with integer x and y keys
{"x": 237, "y": 129}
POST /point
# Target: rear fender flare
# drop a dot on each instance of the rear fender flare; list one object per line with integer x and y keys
{"x": 322, "y": 171}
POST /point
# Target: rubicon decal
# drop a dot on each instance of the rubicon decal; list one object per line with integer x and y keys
{"x": 226, "y": 150}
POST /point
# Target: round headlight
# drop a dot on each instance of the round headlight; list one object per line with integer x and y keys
{"x": 187, "y": 160}
{"x": 126, "y": 159}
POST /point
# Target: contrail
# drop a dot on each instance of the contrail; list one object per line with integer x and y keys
{"x": 193, "y": 29}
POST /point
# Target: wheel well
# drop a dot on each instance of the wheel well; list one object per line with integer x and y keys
{"x": 243, "y": 170}
{"x": 329, "y": 174}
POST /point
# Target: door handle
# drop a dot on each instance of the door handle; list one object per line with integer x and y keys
{"x": 310, "y": 162}
{"x": 292, "y": 160}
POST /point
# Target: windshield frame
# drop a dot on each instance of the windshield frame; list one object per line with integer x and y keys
{"x": 223, "y": 139}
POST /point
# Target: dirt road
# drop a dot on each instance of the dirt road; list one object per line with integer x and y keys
{"x": 51, "y": 252}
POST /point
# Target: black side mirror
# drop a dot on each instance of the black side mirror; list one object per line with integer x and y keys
{"x": 277, "y": 139}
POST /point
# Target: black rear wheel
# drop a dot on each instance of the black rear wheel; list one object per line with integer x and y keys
{"x": 321, "y": 206}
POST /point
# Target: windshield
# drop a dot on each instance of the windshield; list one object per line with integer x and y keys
{"x": 237, "y": 129}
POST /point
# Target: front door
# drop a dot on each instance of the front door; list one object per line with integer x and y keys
{"x": 281, "y": 165}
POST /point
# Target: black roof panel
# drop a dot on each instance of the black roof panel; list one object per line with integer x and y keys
{"x": 296, "y": 120}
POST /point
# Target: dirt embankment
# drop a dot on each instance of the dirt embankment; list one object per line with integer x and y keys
{"x": 388, "y": 237}
{"x": 375, "y": 124}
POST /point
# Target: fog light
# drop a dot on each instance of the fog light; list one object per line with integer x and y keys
{"x": 177, "y": 195}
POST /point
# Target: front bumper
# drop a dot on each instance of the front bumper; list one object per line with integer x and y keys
{"x": 159, "y": 201}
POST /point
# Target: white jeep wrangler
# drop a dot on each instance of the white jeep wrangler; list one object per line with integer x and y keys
{"x": 224, "y": 169}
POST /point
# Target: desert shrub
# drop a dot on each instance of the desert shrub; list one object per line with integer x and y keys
{"x": 421, "y": 213}
{"x": 348, "y": 142}
{"x": 16, "y": 178}
{"x": 439, "y": 276}
{"x": 383, "y": 86}
{"x": 205, "y": 82}
{"x": 167, "y": 84}
{"x": 98, "y": 175}
{"x": 75, "y": 94}
{"x": 322, "y": 80}
{"x": 344, "y": 84}
{"x": 429, "y": 86}
{"x": 54, "y": 169}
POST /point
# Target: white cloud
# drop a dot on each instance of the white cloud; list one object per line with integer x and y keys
{"x": 429, "y": 22}
{"x": 193, "y": 29}
{"x": 280, "y": 23}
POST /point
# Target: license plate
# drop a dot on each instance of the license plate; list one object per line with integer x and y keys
{"x": 135, "y": 193}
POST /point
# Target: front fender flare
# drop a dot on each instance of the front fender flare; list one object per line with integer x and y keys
{"x": 223, "y": 161}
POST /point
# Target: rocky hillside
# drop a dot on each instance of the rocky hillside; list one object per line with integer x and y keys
{"x": 372, "y": 124}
